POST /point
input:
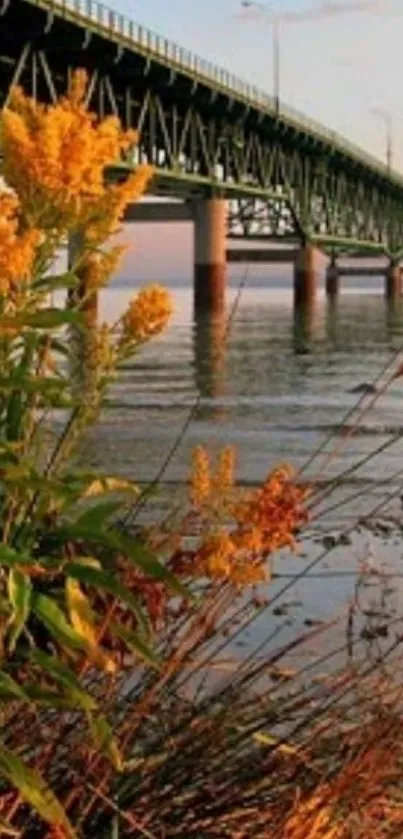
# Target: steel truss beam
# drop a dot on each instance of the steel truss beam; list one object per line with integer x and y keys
{"x": 279, "y": 186}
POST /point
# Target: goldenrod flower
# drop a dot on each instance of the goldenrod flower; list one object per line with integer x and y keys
{"x": 101, "y": 218}
{"x": 97, "y": 267}
{"x": 101, "y": 351}
{"x": 17, "y": 249}
{"x": 147, "y": 314}
{"x": 262, "y": 522}
{"x": 55, "y": 158}
{"x": 225, "y": 475}
{"x": 200, "y": 489}
{"x": 276, "y": 510}
{"x": 214, "y": 557}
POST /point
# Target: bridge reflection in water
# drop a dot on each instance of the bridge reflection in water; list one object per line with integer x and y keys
{"x": 210, "y": 337}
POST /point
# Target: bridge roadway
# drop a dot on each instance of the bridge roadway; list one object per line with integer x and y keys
{"x": 243, "y": 164}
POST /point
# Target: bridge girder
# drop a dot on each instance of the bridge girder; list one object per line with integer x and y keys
{"x": 280, "y": 184}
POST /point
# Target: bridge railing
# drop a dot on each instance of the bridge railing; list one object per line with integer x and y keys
{"x": 118, "y": 24}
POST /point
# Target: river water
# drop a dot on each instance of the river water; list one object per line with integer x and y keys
{"x": 276, "y": 384}
{"x": 275, "y": 387}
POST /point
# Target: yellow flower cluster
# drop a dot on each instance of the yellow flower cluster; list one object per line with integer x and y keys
{"x": 208, "y": 489}
{"x": 260, "y": 523}
{"x": 98, "y": 267}
{"x": 101, "y": 218}
{"x": 225, "y": 475}
{"x": 224, "y": 556}
{"x": 17, "y": 247}
{"x": 275, "y": 511}
{"x": 147, "y": 314}
{"x": 200, "y": 490}
{"x": 55, "y": 159}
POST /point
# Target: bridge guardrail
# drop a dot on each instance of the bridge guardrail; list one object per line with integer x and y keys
{"x": 118, "y": 24}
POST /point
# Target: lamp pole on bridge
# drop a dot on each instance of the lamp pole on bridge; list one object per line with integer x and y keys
{"x": 318, "y": 11}
{"x": 388, "y": 120}
{"x": 275, "y": 24}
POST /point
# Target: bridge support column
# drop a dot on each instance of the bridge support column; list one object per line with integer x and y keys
{"x": 305, "y": 275}
{"x": 393, "y": 281}
{"x": 332, "y": 278}
{"x": 210, "y": 219}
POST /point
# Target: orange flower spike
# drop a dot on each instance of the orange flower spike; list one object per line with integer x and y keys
{"x": 103, "y": 219}
{"x": 248, "y": 541}
{"x": 55, "y": 159}
{"x": 276, "y": 510}
{"x": 17, "y": 250}
{"x": 99, "y": 266}
{"x": 78, "y": 88}
{"x": 147, "y": 315}
{"x": 214, "y": 557}
{"x": 225, "y": 476}
{"x": 201, "y": 483}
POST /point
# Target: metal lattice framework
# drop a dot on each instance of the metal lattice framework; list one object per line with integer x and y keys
{"x": 205, "y": 132}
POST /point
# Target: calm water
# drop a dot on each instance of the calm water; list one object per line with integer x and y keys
{"x": 278, "y": 386}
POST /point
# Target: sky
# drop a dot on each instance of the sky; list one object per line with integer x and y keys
{"x": 336, "y": 67}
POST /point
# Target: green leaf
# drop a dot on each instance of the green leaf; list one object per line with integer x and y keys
{"x": 64, "y": 677}
{"x": 34, "y": 790}
{"x": 107, "y": 582}
{"x": 19, "y": 593}
{"x": 61, "y": 348}
{"x": 50, "y": 318}
{"x": 95, "y": 519}
{"x": 12, "y": 558}
{"x": 135, "y": 643}
{"x": 9, "y": 687}
{"x": 31, "y": 384}
{"x": 105, "y": 741}
{"x": 56, "y": 622}
{"x": 56, "y": 281}
{"x": 51, "y": 699}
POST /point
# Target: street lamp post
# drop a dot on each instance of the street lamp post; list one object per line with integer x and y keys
{"x": 275, "y": 24}
{"x": 387, "y": 118}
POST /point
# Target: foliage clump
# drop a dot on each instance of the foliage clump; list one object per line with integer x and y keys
{"x": 100, "y": 629}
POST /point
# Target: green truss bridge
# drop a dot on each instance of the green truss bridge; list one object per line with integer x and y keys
{"x": 242, "y": 165}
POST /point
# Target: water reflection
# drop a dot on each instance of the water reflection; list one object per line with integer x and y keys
{"x": 275, "y": 387}
{"x": 304, "y": 327}
{"x": 394, "y": 317}
{"x": 210, "y": 352}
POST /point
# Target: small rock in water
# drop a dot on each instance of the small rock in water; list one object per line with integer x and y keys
{"x": 365, "y": 387}
{"x": 283, "y": 608}
{"x": 329, "y": 542}
{"x": 313, "y": 622}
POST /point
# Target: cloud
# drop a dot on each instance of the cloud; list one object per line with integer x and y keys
{"x": 326, "y": 9}
{"x": 330, "y": 9}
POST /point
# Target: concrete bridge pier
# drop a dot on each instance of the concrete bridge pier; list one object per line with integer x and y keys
{"x": 393, "y": 281}
{"x": 305, "y": 275}
{"x": 210, "y": 255}
{"x": 332, "y": 278}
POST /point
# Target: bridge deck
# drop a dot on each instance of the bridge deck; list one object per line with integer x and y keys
{"x": 204, "y": 131}
{"x": 117, "y": 27}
